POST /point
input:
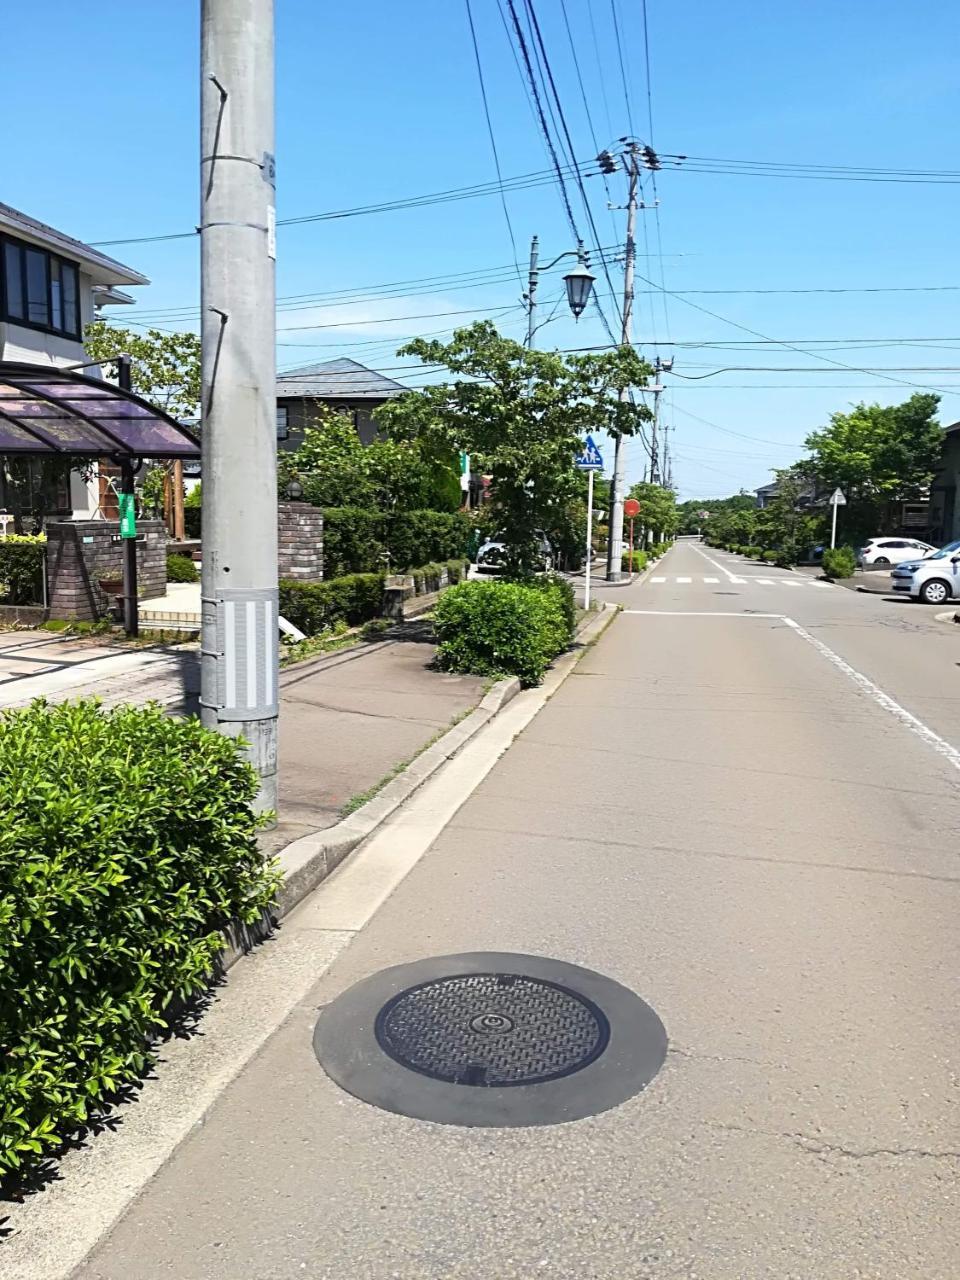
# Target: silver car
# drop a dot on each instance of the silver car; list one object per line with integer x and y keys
{"x": 934, "y": 580}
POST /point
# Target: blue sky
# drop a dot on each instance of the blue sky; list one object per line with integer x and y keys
{"x": 377, "y": 100}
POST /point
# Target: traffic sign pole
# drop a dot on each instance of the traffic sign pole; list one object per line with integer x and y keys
{"x": 833, "y": 530}
{"x": 837, "y": 500}
{"x": 586, "y": 590}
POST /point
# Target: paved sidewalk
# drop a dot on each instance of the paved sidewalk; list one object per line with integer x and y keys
{"x": 346, "y": 720}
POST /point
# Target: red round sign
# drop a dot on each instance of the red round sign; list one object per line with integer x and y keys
{"x": 631, "y": 508}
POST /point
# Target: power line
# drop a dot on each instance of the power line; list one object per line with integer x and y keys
{"x": 623, "y": 72}
{"x": 600, "y": 76}
{"x": 493, "y": 141}
{"x": 525, "y": 54}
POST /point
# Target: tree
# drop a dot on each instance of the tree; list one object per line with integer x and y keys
{"x": 522, "y": 416}
{"x": 336, "y": 469}
{"x": 783, "y": 525}
{"x": 658, "y": 508}
{"x": 164, "y": 367}
{"x": 688, "y": 513}
{"x": 878, "y": 455}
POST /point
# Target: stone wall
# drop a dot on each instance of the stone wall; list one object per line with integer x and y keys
{"x": 82, "y": 552}
{"x": 300, "y": 544}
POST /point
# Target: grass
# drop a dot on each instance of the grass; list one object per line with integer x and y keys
{"x": 363, "y": 797}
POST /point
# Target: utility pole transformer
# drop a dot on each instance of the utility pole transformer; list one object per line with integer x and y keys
{"x": 239, "y": 652}
{"x": 615, "y": 540}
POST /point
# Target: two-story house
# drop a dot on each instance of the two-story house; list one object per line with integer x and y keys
{"x": 51, "y": 286}
{"x": 343, "y": 385}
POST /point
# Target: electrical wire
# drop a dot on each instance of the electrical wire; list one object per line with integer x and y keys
{"x": 623, "y": 71}
{"x": 493, "y": 141}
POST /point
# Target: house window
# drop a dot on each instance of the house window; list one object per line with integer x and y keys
{"x": 283, "y": 422}
{"x": 40, "y": 289}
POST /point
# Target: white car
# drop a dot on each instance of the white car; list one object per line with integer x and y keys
{"x": 934, "y": 580}
{"x": 884, "y": 551}
{"x": 491, "y": 555}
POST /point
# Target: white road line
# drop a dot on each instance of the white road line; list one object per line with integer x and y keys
{"x": 716, "y": 564}
{"x": 789, "y": 582}
{"x": 874, "y": 692}
{"x": 684, "y": 580}
{"x": 658, "y": 579}
{"x": 828, "y": 585}
{"x": 711, "y": 579}
{"x": 764, "y": 582}
{"x": 943, "y": 748}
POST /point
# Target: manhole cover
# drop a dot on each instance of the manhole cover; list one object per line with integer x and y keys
{"x": 491, "y": 1039}
{"x": 490, "y": 1029}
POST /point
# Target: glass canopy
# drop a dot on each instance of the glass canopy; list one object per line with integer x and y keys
{"x": 48, "y": 411}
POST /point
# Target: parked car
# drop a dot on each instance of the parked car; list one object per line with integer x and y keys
{"x": 934, "y": 580}
{"x": 883, "y": 551}
{"x": 491, "y": 555}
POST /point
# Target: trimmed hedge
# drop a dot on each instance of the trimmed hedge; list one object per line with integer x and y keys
{"x": 356, "y": 540}
{"x": 317, "y": 606}
{"x": 501, "y": 628}
{"x": 128, "y": 843}
{"x": 181, "y": 568}
{"x": 21, "y": 569}
{"x": 639, "y": 561}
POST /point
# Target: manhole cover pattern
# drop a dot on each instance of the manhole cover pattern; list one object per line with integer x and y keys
{"x": 492, "y": 1029}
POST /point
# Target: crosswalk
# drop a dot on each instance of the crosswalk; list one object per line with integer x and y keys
{"x": 744, "y": 582}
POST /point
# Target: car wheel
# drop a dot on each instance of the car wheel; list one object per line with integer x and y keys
{"x": 935, "y": 591}
{"x": 881, "y": 560}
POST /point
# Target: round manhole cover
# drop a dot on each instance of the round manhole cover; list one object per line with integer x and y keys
{"x": 488, "y": 1029}
{"x": 491, "y": 1039}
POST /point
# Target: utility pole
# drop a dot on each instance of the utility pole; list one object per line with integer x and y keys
{"x": 239, "y": 650}
{"x": 532, "y": 281}
{"x": 615, "y": 537}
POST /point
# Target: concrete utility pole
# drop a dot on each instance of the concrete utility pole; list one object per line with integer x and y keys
{"x": 239, "y": 656}
{"x": 615, "y": 539}
{"x": 532, "y": 280}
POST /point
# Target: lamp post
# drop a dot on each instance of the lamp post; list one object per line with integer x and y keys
{"x": 578, "y": 282}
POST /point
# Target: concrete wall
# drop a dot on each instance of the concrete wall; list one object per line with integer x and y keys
{"x": 300, "y": 546}
{"x": 82, "y": 552}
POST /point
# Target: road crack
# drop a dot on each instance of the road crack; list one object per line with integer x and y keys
{"x": 818, "y": 1146}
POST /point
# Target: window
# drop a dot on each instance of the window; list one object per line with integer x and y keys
{"x": 283, "y": 422}
{"x": 40, "y": 289}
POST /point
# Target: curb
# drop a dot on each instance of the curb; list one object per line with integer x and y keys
{"x": 306, "y": 862}
{"x": 949, "y": 615}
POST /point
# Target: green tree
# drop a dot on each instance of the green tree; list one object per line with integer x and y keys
{"x": 337, "y": 469}
{"x": 164, "y": 367}
{"x": 688, "y": 513}
{"x": 658, "y": 509}
{"x": 783, "y": 525}
{"x": 878, "y": 455}
{"x": 522, "y": 416}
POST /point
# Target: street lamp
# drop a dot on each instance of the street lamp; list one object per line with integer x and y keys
{"x": 578, "y": 282}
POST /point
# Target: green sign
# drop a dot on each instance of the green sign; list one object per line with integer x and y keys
{"x": 128, "y": 517}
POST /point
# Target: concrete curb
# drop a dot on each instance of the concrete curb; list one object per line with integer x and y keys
{"x": 949, "y": 615}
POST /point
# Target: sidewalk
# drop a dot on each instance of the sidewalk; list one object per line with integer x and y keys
{"x": 346, "y": 720}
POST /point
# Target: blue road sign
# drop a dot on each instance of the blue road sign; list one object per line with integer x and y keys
{"x": 590, "y": 459}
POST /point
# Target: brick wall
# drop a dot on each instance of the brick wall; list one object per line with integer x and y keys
{"x": 300, "y": 544}
{"x": 82, "y": 552}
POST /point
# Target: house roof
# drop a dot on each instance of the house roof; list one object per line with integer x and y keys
{"x": 949, "y": 431}
{"x": 772, "y": 487}
{"x": 103, "y": 269}
{"x": 341, "y": 379}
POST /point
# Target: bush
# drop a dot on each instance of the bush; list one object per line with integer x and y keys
{"x": 181, "y": 568}
{"x": 753, "y": 553}
{"x": 499, "y": 628}
{"x": 771, "y": 557}
{"x": 423, "y": 537}
{"x": 128, "y": 842}
{"x": 639, "y": 561}
{"x": 562, "y": 591}
{"x": 21, "y": 569}
{"x": 839, "y": 562}
{"x": 316, "y": 606}
{"x": 353, "y": 541}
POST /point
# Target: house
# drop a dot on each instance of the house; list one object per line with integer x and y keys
{"x": 766, "y": 493}
{"x": 944, "y": 518}
{"x": 51, "y": 287}
{"x": 343, "y": 385}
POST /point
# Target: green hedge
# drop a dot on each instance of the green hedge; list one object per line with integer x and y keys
{"x": 639, "y": 561}
{"x": 181, "y": 568}
{"x": 21, "y": 569}
{"x": 128, "y": 842}
{"x": 501, "y": 628}
{"x": 317, "y": 606}
{"x": 839, "y": 562}
{"x": 359, "y": 541}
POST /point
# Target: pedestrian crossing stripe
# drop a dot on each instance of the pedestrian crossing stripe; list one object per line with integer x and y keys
{"x": 745, "y": 582}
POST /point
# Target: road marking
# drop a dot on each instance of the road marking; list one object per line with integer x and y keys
{"x": 828, "y": 585}
{"x": 916, "y": 726}
{"x": 711, "y": 579}
{"x": 684, "y": 580}
{"x": 874, "y": 692}
{"x": 716, "y": 564}
{"x": 790, "y": 582}
{"x": 658, "y": 579}
{"x": 764, "y": 582}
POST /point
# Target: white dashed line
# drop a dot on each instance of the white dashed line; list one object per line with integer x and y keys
{"x": 658, "y": 579}
{"x": 714, "y": 580}
{"x": 684, "y": 580}
{"x": 764, "y": 582}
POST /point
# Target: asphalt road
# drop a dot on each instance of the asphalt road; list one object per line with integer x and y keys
{"x": 751, "y": 822}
